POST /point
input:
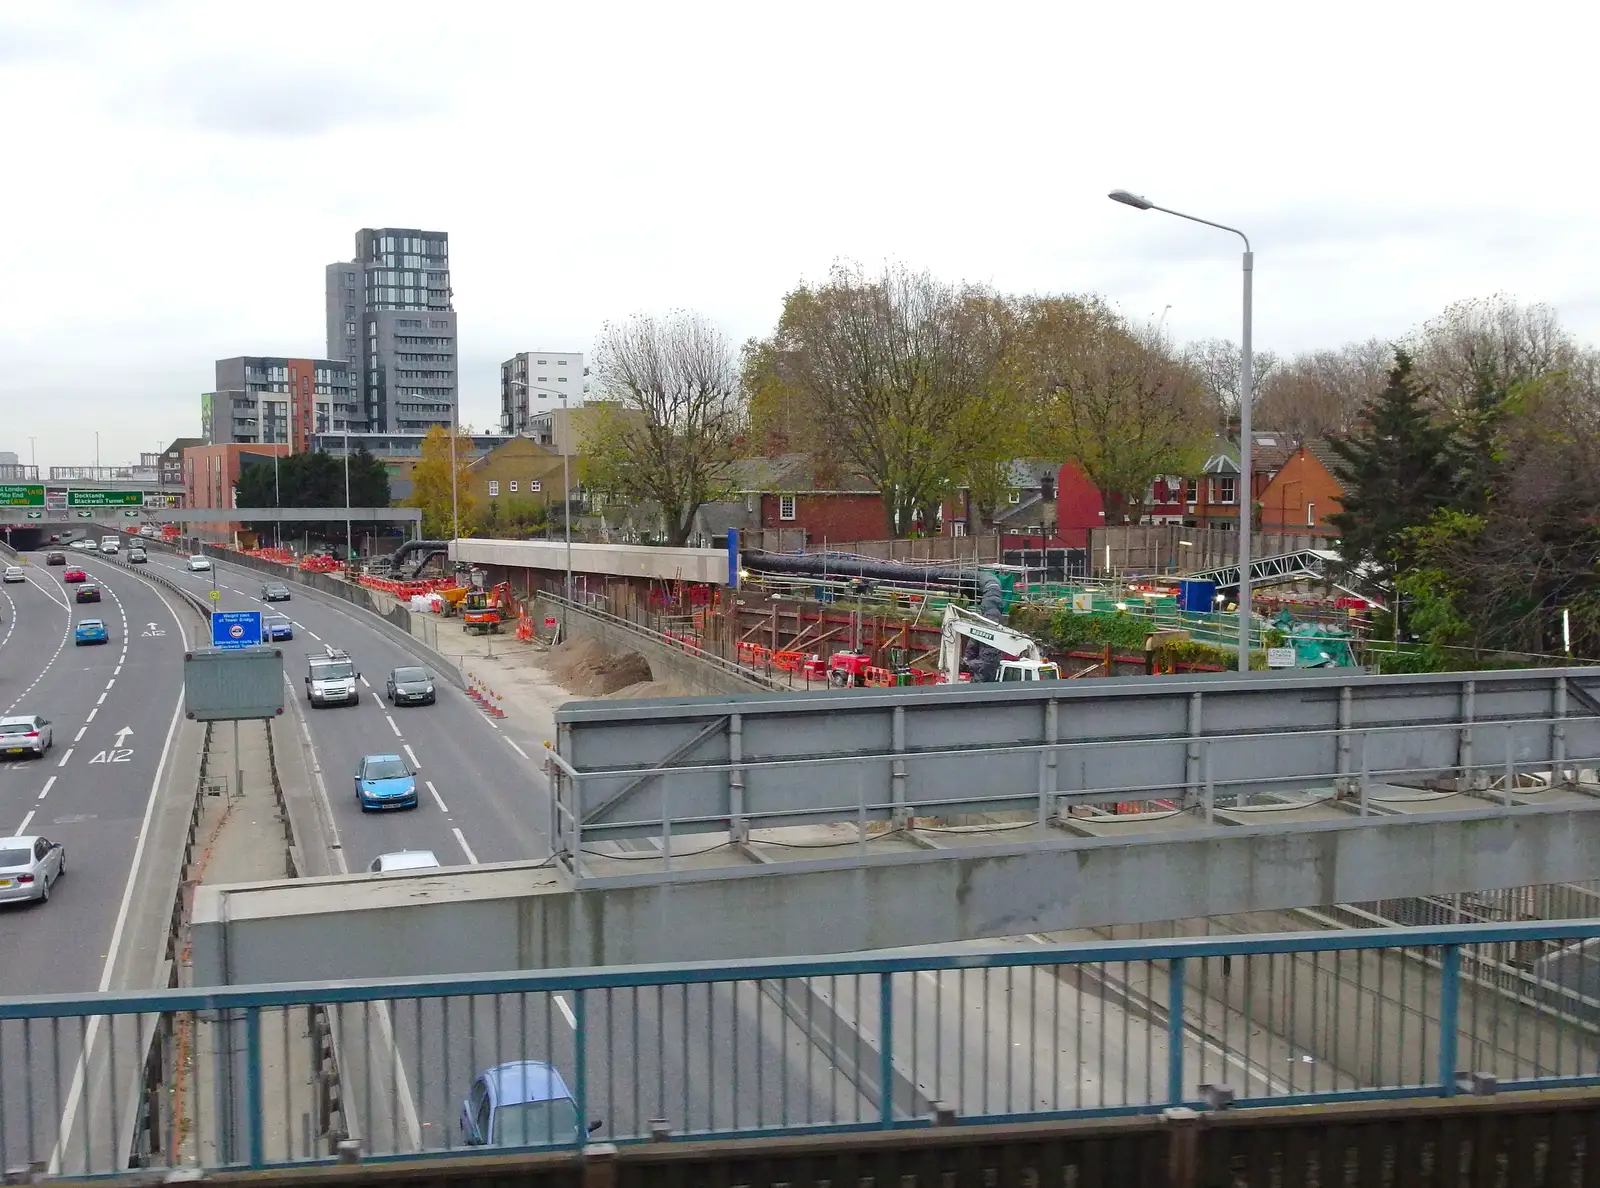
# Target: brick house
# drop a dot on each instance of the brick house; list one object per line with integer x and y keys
{"x": 1211, "y": 498}
{"x": 1303, "y": 492}
{"x": 790, "y": 492}
{"x": 518, "y": 475}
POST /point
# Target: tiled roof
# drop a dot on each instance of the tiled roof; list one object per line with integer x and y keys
{"x": 787, "y": 473}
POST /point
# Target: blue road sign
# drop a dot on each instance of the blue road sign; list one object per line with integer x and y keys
{"x": 235, "y": 629}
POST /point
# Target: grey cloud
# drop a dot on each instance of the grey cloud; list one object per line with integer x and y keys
{"x": 287, "y": 103}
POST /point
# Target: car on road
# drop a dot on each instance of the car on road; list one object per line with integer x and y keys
{"x": 403, "y": 860}
{"x": 137, "y": 556}
{"x": 89, "y": 546}
{"x": 523, "y": 1103}
{"x": 86, "y": 593}
{"x": 74, "y": 575}
{"x": 384, "y": 781}
{"x": 110, "y": 544}
{"x": 275, "y": 592}
{"x": 25, "y": 734}
{"x": 331, "y": 679}
{"x": 90, "y": 631}
{"x": 14, "y": 573}
{"x": 29, "y": 868}
{"x": 55, "y": 558}
{"x": 410, "y": 686}
{"x": 199, "y": 563}
{"x": 276, "y": 627}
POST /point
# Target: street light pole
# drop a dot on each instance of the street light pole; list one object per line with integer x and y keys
{"x": 347, "y": 495}
{"x": 1246, "y": 469}
{"x": 566, "y": 490}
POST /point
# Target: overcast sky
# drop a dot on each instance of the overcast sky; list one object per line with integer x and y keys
{"x": 177, "y": 174}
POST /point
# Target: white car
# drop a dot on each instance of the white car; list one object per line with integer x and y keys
{"x": 24, "y": 734}
{"x": 403, "y": 860}
{"x": 29, "y": 868}
{"x": 14, "y": 573}
{"x": 198, "y": 563}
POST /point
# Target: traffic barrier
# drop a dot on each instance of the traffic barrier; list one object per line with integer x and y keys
{"x": 878, "y": 678}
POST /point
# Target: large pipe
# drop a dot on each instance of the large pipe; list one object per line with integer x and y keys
{"x": 981, "y": 660}
{"x": 412, "y": 546}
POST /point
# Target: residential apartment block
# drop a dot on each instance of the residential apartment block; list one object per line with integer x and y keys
{"x": 534, "y": 383}
{"x": 271, "y": 400}
{"x": 389, "y": 315}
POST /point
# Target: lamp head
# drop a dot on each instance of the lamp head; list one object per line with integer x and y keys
{"x": 1128, "y": 198}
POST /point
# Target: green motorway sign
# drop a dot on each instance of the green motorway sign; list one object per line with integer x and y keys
{"x": 105, "y": 498}
{"x": 22, "y": 495}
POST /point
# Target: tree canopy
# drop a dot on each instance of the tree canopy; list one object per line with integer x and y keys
{"x": 313, "y": 479}
{"x": 431, "y": 492}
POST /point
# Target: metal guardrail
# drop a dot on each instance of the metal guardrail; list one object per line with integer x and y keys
{"x": 723, "y": 665}
{"x": 988, "y": 1035}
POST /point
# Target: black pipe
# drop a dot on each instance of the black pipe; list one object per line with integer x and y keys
{"x": 982, "y": 660}
{"x": 411, "y": 546}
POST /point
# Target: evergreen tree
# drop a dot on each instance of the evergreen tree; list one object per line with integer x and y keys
{"x": 1397, "y": 468}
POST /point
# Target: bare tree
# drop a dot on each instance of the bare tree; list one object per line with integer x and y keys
{"x": 1111, "y": 397}
{"x": 672, "y": 412}
{"x": 1219, "y": 363}
{"x": 1324, "y": 391}
{"x": 1494, "y": 337}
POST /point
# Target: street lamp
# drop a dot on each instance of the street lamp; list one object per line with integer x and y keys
{"x": 1247, "y": 496}
{"x": 566, "y": 492}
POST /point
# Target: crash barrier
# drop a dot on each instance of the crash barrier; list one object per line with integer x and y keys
{"x": 896, "y": 1042}
{"x": 319, "y": 563}
{"x": 405, "y": 590}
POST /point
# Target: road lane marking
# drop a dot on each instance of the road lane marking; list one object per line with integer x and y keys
{"x": 82, "y": 730}
{"x": 466, "y": 849}
{"x": 102, "y": 700}
{"x": 47, "y": 786}
{"x": 514, "y": 746}
{"x": 79, "y": 1074}
{"x": 392, "y": 726}
{"x": 365, "y": 682}
{"x": 313, "y": 635}
{"x": 23, "y": 828}
{"x": 65, "y": 757}
{"x": 111, "y": 682}
{"x": 566, "y": 1012}
{"x": 412, "y": 755}
{"x": 437, "y": 799}
{"x": 92, "y": 713}
{"x": 118, "y": 670}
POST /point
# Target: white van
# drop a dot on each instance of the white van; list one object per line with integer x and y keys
{"x": 110, "y": 544}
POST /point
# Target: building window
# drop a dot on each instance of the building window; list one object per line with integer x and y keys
{"x": 561, "y": 362}
{"x": 1014, "y": 497}
{"x": 1311, "y": 514}
{"x": 513, "y": 485}
{"x": 1193, "y": 494}
{"x": 785, "y": 507}
{"x": 535, "y": 485}
{"x": 958, "y": 528}
{"x": 1228, "y": 489}
{"x": 494, "y": 487}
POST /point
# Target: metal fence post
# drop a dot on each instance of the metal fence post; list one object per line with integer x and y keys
{"x": 580, "y": 1056}
{"x": 738, "y": 826}
{"x": 1175, "y": 971}
{"x": 886, "y": 1048}
{"x": 252, "y": 1085}
{"x": 1449, "y": 1017}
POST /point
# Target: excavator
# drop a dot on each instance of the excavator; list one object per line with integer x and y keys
{"x": 483, "y": 611}
{"x": 1020, "y": 657}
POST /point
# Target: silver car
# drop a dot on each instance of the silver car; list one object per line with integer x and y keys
{"x": 14, "y": 574}
{"x": 25, "y": 734}
{"x": 29, "y": 868}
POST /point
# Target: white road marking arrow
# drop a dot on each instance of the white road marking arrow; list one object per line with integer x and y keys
{"x": 123, "y": 734}
{"x": 150, "y": 627}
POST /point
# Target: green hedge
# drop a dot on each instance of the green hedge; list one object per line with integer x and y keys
{"x": 1067, "y": 631}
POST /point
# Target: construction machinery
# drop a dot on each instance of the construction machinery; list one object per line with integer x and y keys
{"x": 483, "y": 611}
{"x": 1019, "y": 656}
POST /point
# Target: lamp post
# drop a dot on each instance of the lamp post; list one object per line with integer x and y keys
{"x": 1247, "y": 495}
{"x": 566, "y": 495}
{"x": 347, "y": 495}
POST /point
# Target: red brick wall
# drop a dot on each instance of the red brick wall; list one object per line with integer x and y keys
{"x": 1303, "y": 480}
{"x": 830, "y": 517}
{"x": 1078, "y": 507}
{"x": 302, "y": 383}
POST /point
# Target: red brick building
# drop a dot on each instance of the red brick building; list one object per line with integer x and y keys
{"x": 1303, "y": 493}
{"x": 211, "y": 472}
{"x": 789, "y": 492}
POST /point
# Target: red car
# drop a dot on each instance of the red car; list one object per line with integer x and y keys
{"x": 74, "y": 575}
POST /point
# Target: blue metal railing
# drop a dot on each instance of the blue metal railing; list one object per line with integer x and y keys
{"x": 1021, "y": 1031}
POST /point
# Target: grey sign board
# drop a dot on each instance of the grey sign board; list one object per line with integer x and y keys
{"x": 233, "y": 685}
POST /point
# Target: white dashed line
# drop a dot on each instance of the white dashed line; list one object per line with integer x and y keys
{"x": 116, "y": 672}
{"x": 65, "y": 757}
{"x": 566, "y": 1012}
{"x": 82, "y": 730}
{"x": 466, "y": 849}
{"x": 437, "y": 799}
{"x": 46, "y": 789}
{"x": 392, "y": 726}
{"x": 23, "y": 828}
{"x": 366, "y": 682}
{"x": 102, "y": 700}
{"x": 412, "y": 755}
{"x": 313, "y": 635}
{"x": 514, "y": 746}
{"x": 92, "y": 713}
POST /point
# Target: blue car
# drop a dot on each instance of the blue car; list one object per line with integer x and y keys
{"x": 276, "y": 627}
{"x": 385, "y": 782}
{"x": 521, "y": 1104}
{"x": 90, "y": 631}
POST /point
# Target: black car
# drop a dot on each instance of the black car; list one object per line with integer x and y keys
{"x": 275, "y": 592}
{"x": 137, "y": 556}
{"x": 88, "y": 594}
{"x": 55, "y": 558}
{"x": 410, "y": 686}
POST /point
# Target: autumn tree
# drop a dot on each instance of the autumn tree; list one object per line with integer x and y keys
{"x": 445, "y": 511}
{"x": 1109, "y": 396}
{"x": 1219, "y": 365}
{"x": 1319, "y": 392}
{"x": 893, "y": 376}
{"x": 670, "y": 413}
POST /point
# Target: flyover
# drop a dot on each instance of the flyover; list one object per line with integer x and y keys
{"x": 721, "y": 828}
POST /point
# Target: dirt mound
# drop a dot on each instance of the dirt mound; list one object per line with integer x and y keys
{"x": 586, "y": 669}
{"x": 668, "y": 688}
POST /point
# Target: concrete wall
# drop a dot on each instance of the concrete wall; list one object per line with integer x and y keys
{"x": 519, "y": 916}
{"x": 666, "y": 662}
{"x": 635, "y": 561}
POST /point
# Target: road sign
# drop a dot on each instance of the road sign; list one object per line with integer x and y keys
{"x": 215, "y": 595}
{"x": 85, "y": 515}
{"x": 35, "y": 515}
{"x": 1280, "y": 657}
{"x": 132, "y": 515}
{"x": 235, "y": 629}
{"x": 22, "y": 495}
{"x": 105, "y": 498}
